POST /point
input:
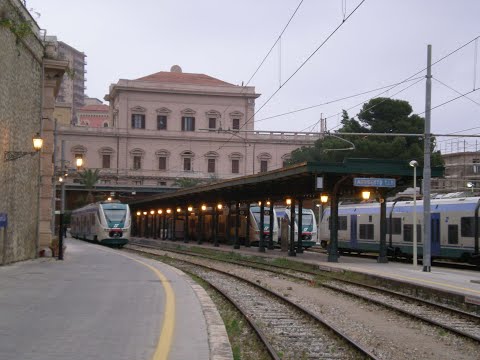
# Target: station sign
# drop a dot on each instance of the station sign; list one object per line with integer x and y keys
{"x": 319, "y": 182}
{"x": 375, "y": 182}
{"x": 3, "y": 220}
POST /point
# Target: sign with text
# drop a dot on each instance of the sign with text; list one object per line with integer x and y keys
{"x": 3, "y": 220}
{"x": 374, "y": 182}
{"x": 319, "y": 182}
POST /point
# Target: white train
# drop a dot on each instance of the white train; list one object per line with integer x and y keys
{"x": 106, "y": 222}
{"x": 309, "y": 225}
{"x": 452, "y": 228}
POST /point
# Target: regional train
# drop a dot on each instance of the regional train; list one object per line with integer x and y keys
{"x": 453, "y": 224}
{"x": 309, "y": 225}
{"x": 106, "y": 222}
{"x": 254, "y": 230}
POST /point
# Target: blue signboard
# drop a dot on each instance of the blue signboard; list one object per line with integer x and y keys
{"x": 3, "y": 220}
{"x": 374, "y": 182}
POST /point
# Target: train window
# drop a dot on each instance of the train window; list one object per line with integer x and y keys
{"x": 396, "y": 228}
{"x": 342, "y": 223}
{"x": 369, "y": 218}
{"x": 366, "y": 231}
{"x": 408, "y": 233}
{"x": 467, "y": 226}
{"x": 453, "y": 234}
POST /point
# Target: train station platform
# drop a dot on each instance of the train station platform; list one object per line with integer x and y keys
{"x": 463, "y": 284}
{"x": 100, "y": 303}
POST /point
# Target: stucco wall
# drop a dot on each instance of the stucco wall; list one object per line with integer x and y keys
{"x": 20, "y": 117}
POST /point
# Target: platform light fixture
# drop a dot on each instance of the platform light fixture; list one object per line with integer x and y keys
{"x": 219, "y": 206}
{"x": 470, "y": 185}
{"x": 144, "y": 213}
{"x": 14, "y": 155}
{"x": 204, "y": 207}
{"x": 152, "y": 212}
{"x": 139, "y": 213}
{"x": 160, "y": 211}
{"x": 268, "y": 203}
{"x": 109, "y": 199}
{"x": 259, "y": 203}
{"x": 289, "y": 201}
{"x": 190, "y": 208}
{"x": 179, "y": 209}
{"x": 323, "y": 199}
{"x": 169, "y": 211}
{"x": 79, "y": 162}
{"x": 365, "y": 194}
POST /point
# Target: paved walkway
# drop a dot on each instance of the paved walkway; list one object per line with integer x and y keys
{"x": 101, "y": 303}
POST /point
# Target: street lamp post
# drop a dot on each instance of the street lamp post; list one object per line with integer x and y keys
{"x": 414, "y": 164}
{"x": 470, "y": 186}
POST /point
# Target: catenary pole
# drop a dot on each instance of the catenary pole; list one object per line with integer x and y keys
{"x": 426, "y": 168}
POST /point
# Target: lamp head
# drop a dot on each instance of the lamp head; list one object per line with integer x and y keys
{"x": 79, "y": 162}
{"x": 37, "y": 142}
{"x": 323, "y": 199}
{"x": 365, "y": 195}
{"x": 190, "y": 208}
{"x": 469, "y": 184}
{"x": 413, "y": 163}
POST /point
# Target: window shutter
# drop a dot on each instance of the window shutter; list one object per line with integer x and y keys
{"x": 143, "y": 121}
{"x": 193, "y": 124}
{"x": 133, "y": 121}
{"x": 183, "y": 123}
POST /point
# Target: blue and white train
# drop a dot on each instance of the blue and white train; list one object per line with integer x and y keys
{"x": 106, "y": 222}
{"x": 453, "y": 224}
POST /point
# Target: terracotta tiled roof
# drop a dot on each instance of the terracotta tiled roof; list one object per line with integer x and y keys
{"x": 94, "y": 108}
{"x": 184, "y": 78}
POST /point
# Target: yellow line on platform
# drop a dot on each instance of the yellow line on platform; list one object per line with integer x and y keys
{"x": 166, "y": 335}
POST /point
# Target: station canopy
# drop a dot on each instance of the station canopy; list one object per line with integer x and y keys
{"x": 304, "y": 180}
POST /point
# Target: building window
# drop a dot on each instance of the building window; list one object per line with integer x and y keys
{"x": 137, "y": 162}
{"x": 263, "y": 166}
{"x": 212, "y": 123}
{"x": 162, "y": 163}
{"x": 187, "y": 164}
{"x": 105, "y": 124}
{"x": 106, "y": 161}
{"x": 211, "y": 165}
{"x": 476, "y": 166}
{"x": 138, "y": 121}
{"x": 137, "y": 182}
{"x": 105, "y": 182}
{"x": 408, "y": 233}
{"x": 161, "y": 122}
{"x": 235, "y": 166}
{"x": 236, "y": 124}
{"x": 188, "y": 123}
{"x": 162, "y": 183}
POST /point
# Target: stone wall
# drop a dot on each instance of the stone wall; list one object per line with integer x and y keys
{"x": 20, "y": 120}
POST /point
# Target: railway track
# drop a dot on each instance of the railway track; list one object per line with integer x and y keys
{"x": 288, "y": 330}
{"x": 454, "y": 320}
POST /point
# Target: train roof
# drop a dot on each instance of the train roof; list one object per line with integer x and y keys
{"x": 436, "y": 205}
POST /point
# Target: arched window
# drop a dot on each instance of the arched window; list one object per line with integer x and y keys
{"x": 162, "y": 118}
{"x": 138, "y": 117}
{"x": 285, "y": 159}
{"x": 264, "y": 159}
{"x": 213, "y": 119}
{"x": 106, "y": 154}
{"x": 235, "y": 159}
{"x": 162, "y": 156}
{"x": 188, "y": 120}
{"x": 137, "y": 156}
{"x": 237, "y": 119}
{"x": 187, "y": 160}
{"x": 211, "y": 157}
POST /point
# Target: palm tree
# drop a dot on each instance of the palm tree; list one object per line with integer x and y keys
{"x": 89, "y": 178}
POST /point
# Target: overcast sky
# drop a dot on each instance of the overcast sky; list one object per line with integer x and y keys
{"x": 383, "y": 42}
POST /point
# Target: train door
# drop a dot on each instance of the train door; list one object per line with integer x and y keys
{"x": 435, "y": 223}
{"x": 353, "y": 231}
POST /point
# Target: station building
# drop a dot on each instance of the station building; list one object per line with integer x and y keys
{"x": 173, "y": 125}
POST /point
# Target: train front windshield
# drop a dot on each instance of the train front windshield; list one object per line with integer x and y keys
{"x": 266, "y": 218}
{"x": 115, "y": 215}
{"x": 307, "y": 220}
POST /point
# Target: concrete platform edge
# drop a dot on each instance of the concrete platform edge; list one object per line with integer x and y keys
{"x": 219, "y": 344}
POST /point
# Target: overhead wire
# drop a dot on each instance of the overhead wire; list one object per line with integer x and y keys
{"x": 301, "y": 65}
